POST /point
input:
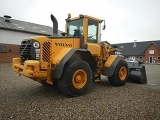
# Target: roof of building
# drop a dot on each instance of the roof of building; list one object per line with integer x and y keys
{"x": 22, "y": 26}
{"x": 136, "y": 48}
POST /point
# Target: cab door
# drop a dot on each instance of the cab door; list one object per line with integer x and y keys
{"x": 92, "y": 39}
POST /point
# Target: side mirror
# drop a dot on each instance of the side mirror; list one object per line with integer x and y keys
{"x": 103, "y": 27}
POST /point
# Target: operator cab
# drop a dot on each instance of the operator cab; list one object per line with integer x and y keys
{"x": 86, "y": 26}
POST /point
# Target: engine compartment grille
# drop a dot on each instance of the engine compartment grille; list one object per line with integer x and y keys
{"x": 25, "y": 50}
{"x": 46, "y": 51}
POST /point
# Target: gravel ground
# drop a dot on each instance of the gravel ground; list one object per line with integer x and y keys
{"x": 22, "y": 98}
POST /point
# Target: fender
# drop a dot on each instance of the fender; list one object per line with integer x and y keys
{"x": 85, "y": 54}
{"x": 110, "y": 65}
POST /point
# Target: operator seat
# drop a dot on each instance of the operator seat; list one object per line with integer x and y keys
{"x": 77, "y": 32}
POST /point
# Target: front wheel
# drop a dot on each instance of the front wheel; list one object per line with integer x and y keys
{"x": 120, "y": 76}
{"x": 76, "y": 78}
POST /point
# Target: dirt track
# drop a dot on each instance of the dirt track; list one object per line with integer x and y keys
{"x": 22, "y": 98}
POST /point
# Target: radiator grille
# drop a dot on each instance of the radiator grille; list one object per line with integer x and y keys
{"x": 46, "y": 51}
{"x": 25, "y": 50}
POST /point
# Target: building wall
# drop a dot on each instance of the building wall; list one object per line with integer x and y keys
{"x": 13, "y": 37}
{"x": 12, "y": 51}
{"x": 154, "y": 55}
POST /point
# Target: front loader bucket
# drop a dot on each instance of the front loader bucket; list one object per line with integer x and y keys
{"x": 137, "y": 74}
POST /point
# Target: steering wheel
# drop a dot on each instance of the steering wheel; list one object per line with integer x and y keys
{"x": 90, "y": 37}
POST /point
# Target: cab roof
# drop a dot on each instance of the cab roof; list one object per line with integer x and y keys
{"x": 88, "y": 17}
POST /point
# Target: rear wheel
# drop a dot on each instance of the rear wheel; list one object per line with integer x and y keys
{"x": 120, "y": 76}
{"x": 76, "y": 78}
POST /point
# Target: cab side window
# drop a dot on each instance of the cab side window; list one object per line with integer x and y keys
{"x": 92, "y": 31}
{"x": 75, "y": 27}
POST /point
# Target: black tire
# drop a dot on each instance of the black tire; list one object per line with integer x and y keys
{"x": 76, "y": 78}
{"x": 120, "y": 76}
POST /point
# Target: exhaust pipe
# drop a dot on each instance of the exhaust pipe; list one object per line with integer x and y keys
{"x": 55, "y": 25}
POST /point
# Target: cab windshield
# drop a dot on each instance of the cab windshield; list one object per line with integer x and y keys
{"x": 75, "y": 27}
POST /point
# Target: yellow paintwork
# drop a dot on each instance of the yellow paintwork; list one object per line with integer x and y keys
{"x": 110, "y": 60}
{"x": 33, "y": 69}
{"x": 122, "y": 73}
{"x": 94, "y": 48}
{"x": 79, "y": 79}
{"x": 40, "y": 38}
{"x": 85, "y": 29}
{"x": 60, "y": 55}
{"x": 75, "y": 42}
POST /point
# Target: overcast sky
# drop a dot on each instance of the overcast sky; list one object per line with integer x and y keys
{"x": 126, "y": 20}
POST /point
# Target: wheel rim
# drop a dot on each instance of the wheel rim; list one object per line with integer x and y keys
{"x": 79, "y": 79}
{"x": 122, "y": 73}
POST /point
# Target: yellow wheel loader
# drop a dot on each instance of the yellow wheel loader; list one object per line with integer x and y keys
{"x": 73, "y": 60}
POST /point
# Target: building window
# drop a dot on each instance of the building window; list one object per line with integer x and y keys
{"x": 3, "y": 49}
{"x": 151, "y": 52}
{"x": 158, "y": 58}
